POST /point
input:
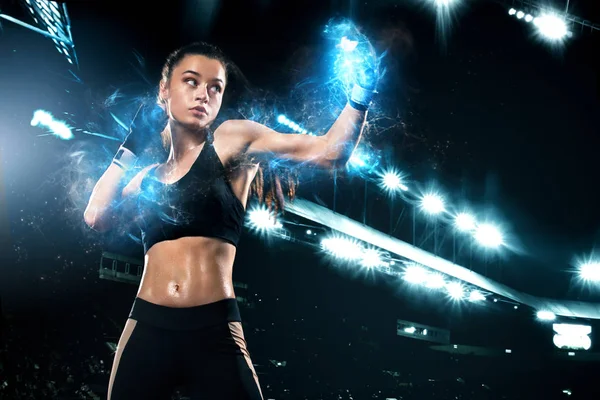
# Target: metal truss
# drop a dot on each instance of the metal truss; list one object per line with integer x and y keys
{"x": 51, "y": 20}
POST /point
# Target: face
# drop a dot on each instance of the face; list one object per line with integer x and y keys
{"x": 194, "y": 94}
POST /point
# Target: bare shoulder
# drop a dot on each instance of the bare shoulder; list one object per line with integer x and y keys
{"x": 233, "y": 137}
{"x": 133, "y": 187}
{"x": 243, "y": 130}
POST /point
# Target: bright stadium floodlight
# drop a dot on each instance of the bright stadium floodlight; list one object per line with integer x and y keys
{"x": 546, "y": 315}
{"x": 488, "y": 235}
{"x": 392, "y": 181}
{"x": 444, "y": 3}
{"x": 415, "y": 274}
{"x": 476, "y": 296}
{"x": 260, "y": 219}
{"x": 343, "y": 248}
{"x": 371, "y": 258}
{"x": 432, "y": 204}
{"x": 435, "y": 281}
{"x": 552, "y": 24}
{"x": 465, "y": 222}
{"x": 455, "y": 290}
{"x": 551, "y": 27}
{"x": 590, "y": 272}
{"x": 52, "y": 21}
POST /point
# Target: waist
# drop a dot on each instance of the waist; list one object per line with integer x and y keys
{"x": 188, "y": 272}
{"x": 185, "y": 318}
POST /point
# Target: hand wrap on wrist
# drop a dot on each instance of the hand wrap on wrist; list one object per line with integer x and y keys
{"x": 125, "y": 159}
{"x": 360, "y": 98}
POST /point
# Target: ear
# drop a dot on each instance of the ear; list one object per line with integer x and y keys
{"x": 163, "y": 91}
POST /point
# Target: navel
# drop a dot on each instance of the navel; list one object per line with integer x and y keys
{"x": 174, "y": 289}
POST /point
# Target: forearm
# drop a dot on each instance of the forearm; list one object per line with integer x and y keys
{"x": 100, "y": 211}
{"x": 106, "y": 200}
{"x": 344, "y": 135}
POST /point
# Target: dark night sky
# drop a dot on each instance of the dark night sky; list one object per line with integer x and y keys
{"x": 497, "y": 118}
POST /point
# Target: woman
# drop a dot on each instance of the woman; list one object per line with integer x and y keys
{"x": 184, "y": 328}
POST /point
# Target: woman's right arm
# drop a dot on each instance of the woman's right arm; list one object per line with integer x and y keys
{"x": 110, "y": 195}
{"x": 102, "y": 209}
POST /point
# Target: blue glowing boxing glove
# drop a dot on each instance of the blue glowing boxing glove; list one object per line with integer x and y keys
{"x": 150, "y": 119}
{"x": 355, "y": 62}
{"x": 366, "y": 74}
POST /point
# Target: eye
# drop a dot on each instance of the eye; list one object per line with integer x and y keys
{"x": 216, "y": 88}
{"x": 193, "y": 81}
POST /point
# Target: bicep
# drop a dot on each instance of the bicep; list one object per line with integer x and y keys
{"x": 264, "y": 143}
{"x": 293, "y": 147}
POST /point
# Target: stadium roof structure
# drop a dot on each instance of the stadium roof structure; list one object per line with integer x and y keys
{"x": 352, "y": 228}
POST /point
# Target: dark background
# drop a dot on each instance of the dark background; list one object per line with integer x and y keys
{"x": 497, "y": 119}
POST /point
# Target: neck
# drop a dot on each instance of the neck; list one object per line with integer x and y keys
{"x": 183, "y": 141}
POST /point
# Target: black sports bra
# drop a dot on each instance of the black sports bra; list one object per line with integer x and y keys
{"x": 201, "y": 203}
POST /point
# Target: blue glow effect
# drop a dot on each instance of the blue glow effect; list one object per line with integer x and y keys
{"x": 98, "y": 134}
{"x": 348, "y": 45}
{"x": 363, "y": 161}
{"x": 135, "y": 238}
{"x": 150, "y": 118}
{"x": 118, "y": 121}
{"x": 354, "y": 58}
{"x": 168, "y": 219}
{"x": 165, "y": 201}
{"x": 56, "y": 127}
{"x": 359, "y": 160}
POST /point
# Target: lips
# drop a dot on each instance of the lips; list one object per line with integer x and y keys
{"x": 199, "y": 110}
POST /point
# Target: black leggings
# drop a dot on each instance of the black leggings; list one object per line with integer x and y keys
{"x": 200, "y": 349}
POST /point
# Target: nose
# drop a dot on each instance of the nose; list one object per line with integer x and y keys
{"x": 202, "y": 94}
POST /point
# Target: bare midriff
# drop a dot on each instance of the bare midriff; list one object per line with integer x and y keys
{"x": 188, "y": 272}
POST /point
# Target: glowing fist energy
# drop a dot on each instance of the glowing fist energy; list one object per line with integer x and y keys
{"x": 150, "y": 119}
{"x": 355, "y": 63}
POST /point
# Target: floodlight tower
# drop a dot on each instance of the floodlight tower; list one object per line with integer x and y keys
{"x": 51, "y": 20}
{"x": 553, "y": 20}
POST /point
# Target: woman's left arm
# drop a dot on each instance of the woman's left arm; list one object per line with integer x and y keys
{"x": 332, "y": 150}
